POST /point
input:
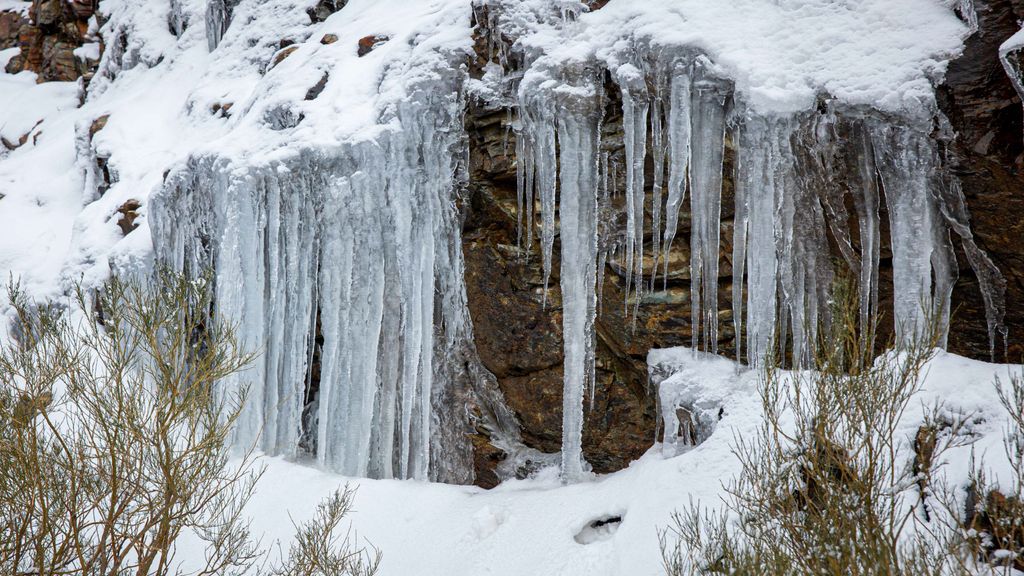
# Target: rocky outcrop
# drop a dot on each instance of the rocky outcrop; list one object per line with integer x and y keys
{"x": 10, "y": 24}
{"x": 55, "y": 28}
{"x": 988, "y": 153}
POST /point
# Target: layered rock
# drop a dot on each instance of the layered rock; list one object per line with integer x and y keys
{"x": 49, "y": 39}
{"x": 988, "y": 156}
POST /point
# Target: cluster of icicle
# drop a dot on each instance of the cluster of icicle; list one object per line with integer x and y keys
{"x": 358, "y": 244}
{"x": 792, "y": 181}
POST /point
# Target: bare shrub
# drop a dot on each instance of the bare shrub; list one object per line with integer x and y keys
{"x": 994, "y": 519}
{"x": 113, "y": 440}
{"x": 825, "y": 486}
{"x": 320, "y": 549}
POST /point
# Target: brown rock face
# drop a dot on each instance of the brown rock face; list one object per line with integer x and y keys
{"x": 10, "y": 25}
{"x": 518, "y": 331}
{"x": 129, "y": 212}
{"x": 48, "y": 40}
{"x": 282, "y": 54}
{"x": 986, "y": 112}
{"x": 368, "y": 43}
{"x": 518, "y": 328}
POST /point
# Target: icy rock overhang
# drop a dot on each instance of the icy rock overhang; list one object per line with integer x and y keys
{"x": 828, "y": 106}
{"x": 693, "y": 389}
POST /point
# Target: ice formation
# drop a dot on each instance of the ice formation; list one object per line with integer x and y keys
{"x": 796, "y": 167}
{"x": 356, "y": 245}
{"x": 1011, "y": 54}
{"x": 330, "y": 219}
{"x": 342, "y": 264}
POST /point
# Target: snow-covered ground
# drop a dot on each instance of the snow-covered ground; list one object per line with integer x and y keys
{"x": 533, "y": 526}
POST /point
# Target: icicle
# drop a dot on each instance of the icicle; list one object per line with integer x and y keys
{"x": 907, "y": 162}
{"x": 968, "y": 13}
{"x": 762, "y": 160}
{"x": 1011, "y": 54}
{"x": 526, "y": 172}
{"x": 542, "y": 173}
{"x": 634, "y": 126}
{"x": 822, "y": 173}
{"x": 864, "y": 183}
{"x": 739, "y": 245}
{"x": 290, "y": 278}
{"x": 991, "y": 282}
{"x": 218, "y": 18}
{"x": 351, "y": 303}
{"x": 679, "y": 152}
{"x": 659, "y": 153}
{"x": 578, "y": 121}
{"x": 604, "y": 234}
{"x": 570, "y": 107}
{"x": 706, "y": 205}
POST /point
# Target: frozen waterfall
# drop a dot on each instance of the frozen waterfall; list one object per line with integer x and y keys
{"x": 343, "y": 266}
{"x": 800, "y": 181}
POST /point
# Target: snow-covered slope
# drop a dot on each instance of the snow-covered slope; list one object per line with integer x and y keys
{"x": 536, "y": 526}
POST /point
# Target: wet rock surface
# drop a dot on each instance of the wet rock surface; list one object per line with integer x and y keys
{"x": 988, "y": 151}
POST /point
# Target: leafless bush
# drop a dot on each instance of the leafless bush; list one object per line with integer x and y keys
{"x": 113, "y": 439}
{"x": 994, "y": 519}
{"x": 825, "y": 486}
{"x": 321, "y": 550}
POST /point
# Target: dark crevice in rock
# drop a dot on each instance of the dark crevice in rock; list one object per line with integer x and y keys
{"x": 310, "y": 404}
{"x": 323, "y": 10}
{"x": 317, "y": 88}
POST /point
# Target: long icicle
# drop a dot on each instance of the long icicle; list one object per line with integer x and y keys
{"x": 706, "y": 205}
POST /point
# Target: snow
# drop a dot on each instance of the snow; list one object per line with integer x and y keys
{"x": 1014, "y": 45}
{"x": 531, "y": 526}
{"x": 40, "y": 193}
{"x": 88, "y": 51}
{"x": 782, "y": 53}
{"x": 20, "y": 6}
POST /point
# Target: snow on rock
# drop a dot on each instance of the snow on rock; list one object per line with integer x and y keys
{"x": 781, "y": 53}
{"x": 40, "y": 193}
{"x": 693, "y": 388}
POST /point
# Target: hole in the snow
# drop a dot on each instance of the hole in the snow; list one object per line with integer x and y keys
{"x": 600, "y": 529}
